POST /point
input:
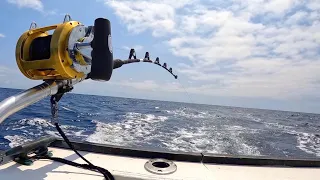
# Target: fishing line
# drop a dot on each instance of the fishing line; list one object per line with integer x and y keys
{"x": 186, "y": 92}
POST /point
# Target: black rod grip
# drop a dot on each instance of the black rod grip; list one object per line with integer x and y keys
{"x": 117, "y": 63}
{"x": 102, "y": 55}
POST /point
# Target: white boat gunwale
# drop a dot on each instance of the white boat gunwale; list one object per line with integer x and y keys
{"x": 208, "y": 158}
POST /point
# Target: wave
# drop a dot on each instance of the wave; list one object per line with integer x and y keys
{"x": 253, "y": 118}
{"x": 17, "y": 140}
{"x": 65, "y": 108}
{"x": 239, "y": 143}
{"x": 38, "y": 122}
{"x": 30, "y": 129}
{"x": 307, "y": 142}
{"x": 162, "y": 132}
{"x": 134, "y": 128}
{"x": 189, "y": 113}
{"x": 138, "y": 129}
{"x": 210, "y": 140}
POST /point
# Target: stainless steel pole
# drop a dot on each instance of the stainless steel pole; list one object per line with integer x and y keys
{"x": 15, "y": 103}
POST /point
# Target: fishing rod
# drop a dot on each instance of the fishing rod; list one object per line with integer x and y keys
{"x": 71, "y": 54}
{"x": 61, "y": 60}
{"x": 133, "y": 59}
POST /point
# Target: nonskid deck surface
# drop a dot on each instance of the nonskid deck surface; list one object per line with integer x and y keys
{"x": 127, "y": 168}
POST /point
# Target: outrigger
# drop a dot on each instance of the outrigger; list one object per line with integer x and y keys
{"x": 61, "y": 60}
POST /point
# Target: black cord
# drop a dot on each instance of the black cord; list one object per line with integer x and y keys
{"x": 89, "y": 166}
{"x": 54, "y": 109}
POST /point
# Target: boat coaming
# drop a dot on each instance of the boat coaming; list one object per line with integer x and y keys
{"x": 128, "y": 164}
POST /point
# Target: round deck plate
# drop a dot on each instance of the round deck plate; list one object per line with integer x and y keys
{"x": 160, "y": 166}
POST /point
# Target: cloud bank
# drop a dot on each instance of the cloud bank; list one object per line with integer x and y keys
{"x": 253, "y": 48}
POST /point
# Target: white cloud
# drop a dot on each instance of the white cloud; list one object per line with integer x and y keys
{"x": 253, "y": 48}
{"x": 155, "y": 15}
{"x": 50, "y": 12}
{"x": 34, "y": 4}
{"x": 2, "y": 35}
{"x": 313, "y": 5}
{"x": 296, "y": 18}
{"x": 278, "y": 6}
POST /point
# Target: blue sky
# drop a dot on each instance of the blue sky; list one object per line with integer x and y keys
{"x": 255, "y": 53}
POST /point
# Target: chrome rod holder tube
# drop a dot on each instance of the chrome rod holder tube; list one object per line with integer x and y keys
{"x": 28, "y": 97}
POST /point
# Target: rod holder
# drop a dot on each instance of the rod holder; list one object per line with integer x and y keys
{"x": 17, "y": 102}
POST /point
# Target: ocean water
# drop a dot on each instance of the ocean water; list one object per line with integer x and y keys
{"x": 159, "y": 125}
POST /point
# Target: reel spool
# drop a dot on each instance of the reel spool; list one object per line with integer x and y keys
{"x": 62, "y": 55}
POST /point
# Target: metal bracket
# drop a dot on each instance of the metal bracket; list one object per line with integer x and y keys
{"x": 33, "y": 25}
{"x": 56, "y": 98}
{"x": 67, "y": 18}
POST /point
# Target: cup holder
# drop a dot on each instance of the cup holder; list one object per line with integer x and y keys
{"x": 160, "y": 166}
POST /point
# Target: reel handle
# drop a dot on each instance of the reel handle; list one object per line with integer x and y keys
{"x": 102, "y": 55}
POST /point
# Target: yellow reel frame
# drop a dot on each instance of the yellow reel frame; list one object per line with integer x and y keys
{"x": 59, "y": 64}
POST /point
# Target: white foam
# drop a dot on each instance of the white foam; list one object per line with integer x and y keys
{"x": 65, "y": 108}
{"x": 189, "y": 113}
{"x": 17, "y": 128}
{"x": 187, "y": 140}
{"x": 309, "y": 143}
{"x": 239, "y": 142}
{"x": 38, "y": 122}
{"x": 79, "y": 133}
{"x": 43, "y": 126}
{"x": 251, "y": 117}
{"x": 16, "y": 140}
{"x": 150, "y": 118}
{"x": 135, "y": 128}
{"x": 68, "y": 130}
{"x": 275, "y": 125}
{"x": 52, "y": 133}
{"x": 210, "y": 140}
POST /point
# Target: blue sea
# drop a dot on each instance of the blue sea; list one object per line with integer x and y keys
{"x": 173, "y": 126}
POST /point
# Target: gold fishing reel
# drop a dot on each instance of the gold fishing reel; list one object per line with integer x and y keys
{"x": 71, "y": 51}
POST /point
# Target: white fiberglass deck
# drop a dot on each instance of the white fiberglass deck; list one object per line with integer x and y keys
{"x": 124, "y": 168}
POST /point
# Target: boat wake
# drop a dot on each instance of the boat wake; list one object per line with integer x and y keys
{"x": 188, "y": 113}
{"x": 134, "y": 128}
{"x": 177, "y": 129}
{"x": 26, "y": 130}
{"x": 165, "y": 133}
{"x": 309, "y": 143}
